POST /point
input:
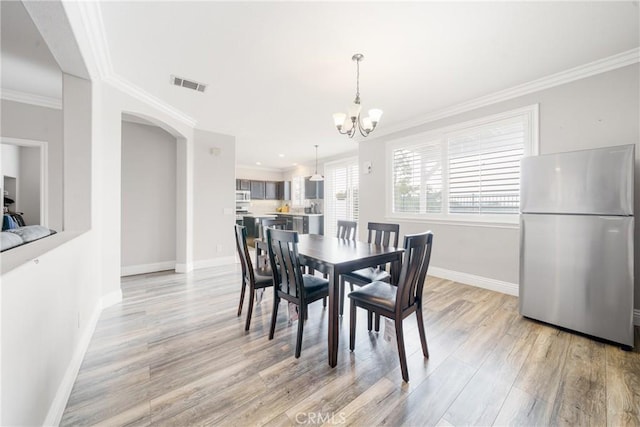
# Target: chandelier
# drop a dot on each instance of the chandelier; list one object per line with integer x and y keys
{"x": 366, "y": 125}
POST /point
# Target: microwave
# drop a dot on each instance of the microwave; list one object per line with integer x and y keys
{"x": 243, "y": 196}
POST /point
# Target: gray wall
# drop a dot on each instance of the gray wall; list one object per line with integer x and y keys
{"x": 214, "y": 159}
{"x": 29, "y": 184}
{"x": 598, "y": 111}
{"x": 148, "y": 195}
{"x": 41, "y": 124}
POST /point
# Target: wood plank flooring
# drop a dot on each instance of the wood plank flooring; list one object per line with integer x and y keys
{"x": 174, "y": 353}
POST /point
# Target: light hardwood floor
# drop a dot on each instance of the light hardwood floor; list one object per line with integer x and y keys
{"x": 175, "y": 353}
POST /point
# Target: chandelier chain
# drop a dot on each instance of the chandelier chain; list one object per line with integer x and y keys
{"x": 358, "y": 81}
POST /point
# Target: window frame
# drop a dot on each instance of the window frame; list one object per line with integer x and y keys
{"x": 531, "y": 148}
{"x": 328, "y": 167}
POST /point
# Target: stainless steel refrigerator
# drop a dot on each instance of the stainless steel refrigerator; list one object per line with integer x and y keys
{"x": 576, "y": 241}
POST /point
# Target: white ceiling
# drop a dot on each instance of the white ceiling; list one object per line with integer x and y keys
{"x": 278, "y": 70}
{"x": 27, "y": 64}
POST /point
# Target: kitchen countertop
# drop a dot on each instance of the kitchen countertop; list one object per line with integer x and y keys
{"x": 252, "y": 215}
{"x": 297, "y": 214}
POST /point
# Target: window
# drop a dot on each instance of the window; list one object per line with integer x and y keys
{"x": 340, "y": 193}
{"x": 467, "y": 171}
{"x": 297, "y": 192}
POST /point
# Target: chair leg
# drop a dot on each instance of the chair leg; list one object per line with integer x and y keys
{"x": 377, "y": 322}
{"x": 324, "y": 302}
{"x": 244, "y": 285}
{"x": 352, "y": 326}
{"x": 423, "y": 337}
{"x": 369, "y": 320}
{"x": 341, "y": 296}
{"x": 401, "y": 352}
{"x": 301, "y": 317}
{"x": 252, "y": 297}
{"x": 274, "y": 314}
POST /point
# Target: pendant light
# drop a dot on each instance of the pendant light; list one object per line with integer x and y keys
{"x": 316, "y": 176}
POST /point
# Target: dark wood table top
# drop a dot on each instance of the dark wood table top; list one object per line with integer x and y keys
{"x": 335, "y": 251}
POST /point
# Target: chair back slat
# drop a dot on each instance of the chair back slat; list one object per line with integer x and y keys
{"x": 280, "y": 224}
{"x": 282, "y": 246}
{"x": 346, "y": 229}
{"x": 415, "y": 264}
{"x": 243, "y": 253}
{"x": 383, "y": 234}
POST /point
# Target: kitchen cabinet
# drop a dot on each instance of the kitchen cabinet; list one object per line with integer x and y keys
{"x": 284, "y": 190}
{"x": 243, "y": 184}
{"x": 271, "y": 190}
{"x": 257, "y": 190}
{"x": 313, "y": 189}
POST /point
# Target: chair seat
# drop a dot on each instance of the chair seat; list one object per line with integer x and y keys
{"x": 314, "y": 284}
{"x": 367, "y": 275}
{"x": 376, "y": 294}
{"x": 263, "y": 277}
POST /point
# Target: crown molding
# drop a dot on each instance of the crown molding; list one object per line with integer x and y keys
{"x": 29, "y": 98}
{"x": 91, "y": 16}
{"x": 600, "y": 66}
{"x": 141, "y": 95}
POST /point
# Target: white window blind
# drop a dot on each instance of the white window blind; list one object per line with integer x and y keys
{"x": 484, "y": 168}
{"x": 340, "y": 194}
{"x": 417, "y": 178}
{"x": 472, "y": 168}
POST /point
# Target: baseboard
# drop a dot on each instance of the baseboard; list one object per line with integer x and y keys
{"x": 214, "y": 262}
{"x": 110, "y": 299}
{"x": 184, "y": 267}
{"x": 473, "y": 280}
{"x": 56, "y": 410}
{"x": 636, "y": 317}
{"x": 130, "y": 270}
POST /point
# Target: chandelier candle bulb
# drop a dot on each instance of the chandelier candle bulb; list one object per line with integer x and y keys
{"x": 338, "y": 119}
{"x": 375, "y": 114}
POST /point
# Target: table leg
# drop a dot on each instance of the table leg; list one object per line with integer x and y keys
{"x": 334, "y": 303}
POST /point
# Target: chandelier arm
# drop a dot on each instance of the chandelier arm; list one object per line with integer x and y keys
{"x": 364, "y": 133}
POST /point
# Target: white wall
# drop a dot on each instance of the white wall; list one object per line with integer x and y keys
{"x": 29, "y": 184}
{"x": 51, "y": 292}
{"x": 32, "y": 122}
{"x": 213, "y": 198}
{"x": 10, "y": 160}
{"x": 259, "y": 174}
{"x": 598, "y": 111}
{"x": 148, "y": 199}
{"x": 49, "y": 307}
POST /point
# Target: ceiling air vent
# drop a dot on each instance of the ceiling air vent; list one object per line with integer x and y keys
{"x": 189, "y": 84}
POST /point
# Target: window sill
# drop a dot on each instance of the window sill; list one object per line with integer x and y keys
{"x": 512, "y": 222}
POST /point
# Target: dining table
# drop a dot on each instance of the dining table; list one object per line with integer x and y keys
{"x": 334, "y": 256}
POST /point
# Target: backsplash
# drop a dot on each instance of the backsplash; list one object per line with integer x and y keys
{"x": 262, "y": 207}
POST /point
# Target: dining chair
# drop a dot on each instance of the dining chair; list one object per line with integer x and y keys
{"x": 346, "y": 229}
{"x": 253, "y": 279}
{"x": 398, "y": 302}
{"x": 380, "y": 234}
{"x": 261, "y": 244}
{"x": 290, "y": 282}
